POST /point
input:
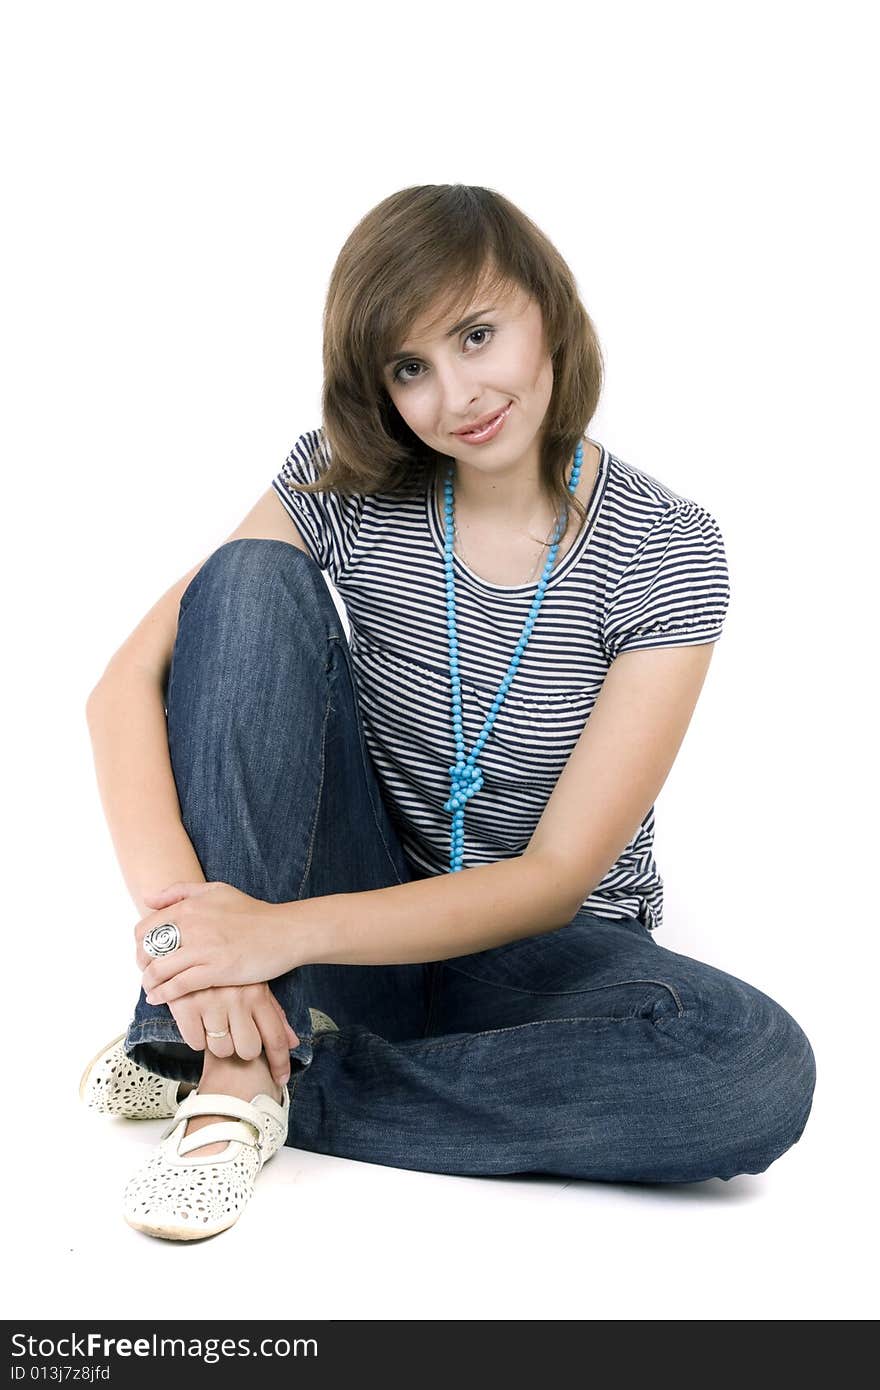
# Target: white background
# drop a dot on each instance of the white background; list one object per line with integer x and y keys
{"x": 179, "y": 178}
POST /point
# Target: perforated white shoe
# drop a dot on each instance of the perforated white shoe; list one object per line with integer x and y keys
{"x": 181, "y": 1195}
{"x": 321, "y": 1023}
{"x": 115, "y": 1084}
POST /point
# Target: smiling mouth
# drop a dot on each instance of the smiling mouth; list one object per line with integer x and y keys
{"x": 486, "y": 425}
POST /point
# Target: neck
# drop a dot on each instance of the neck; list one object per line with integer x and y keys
{"x": 513, "y": 498}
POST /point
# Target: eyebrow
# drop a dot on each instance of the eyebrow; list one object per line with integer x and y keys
{"x": 471, "y": 318}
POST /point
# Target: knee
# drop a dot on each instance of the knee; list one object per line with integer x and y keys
{"x": 758, "y": 1093}
{"x": 782, "y": 1067}
{"x": 249, "y": 560}
{"x": 244, "y": 577}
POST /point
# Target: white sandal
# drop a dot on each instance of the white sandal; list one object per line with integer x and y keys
{"x": 115, "y": 1084}
{"x": 180, "y": 1195}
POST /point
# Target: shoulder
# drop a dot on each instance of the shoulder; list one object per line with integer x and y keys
{"x": 310, "y": 453}
{"x": 645, "y": 493}
{"x": 640, "y": 506}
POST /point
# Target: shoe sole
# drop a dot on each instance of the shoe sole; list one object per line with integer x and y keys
{"x": 179, "y": 1232}
{"x": 84, "y": 1080}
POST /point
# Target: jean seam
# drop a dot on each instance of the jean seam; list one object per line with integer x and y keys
{"x": 170, "y": 1029}
{"x": 167, "y": 695}
{"x": 589, "y": 989}
{"x": 436, "y": 975}
{"x": 314, "y": 1040}
{"x": 316, "y": 816}
{"x": 428, "y": 1046}
{"x": 366, "y": 767}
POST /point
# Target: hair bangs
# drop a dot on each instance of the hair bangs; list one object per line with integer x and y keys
{"x": 423, "y": 256}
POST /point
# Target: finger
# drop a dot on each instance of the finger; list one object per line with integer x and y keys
{"x": 276, "y": 1043}
{"x": 245, "y": 1033}
{"x": 165, "y": 897}
{"x": 187, "y": 1016}
{"x": 196, "y": 977}
{"x": 294, "y": 1040}
{"x": 173, "y": 893}
{"x": 158, "y": 969}
{"x": 216, "y": 1022}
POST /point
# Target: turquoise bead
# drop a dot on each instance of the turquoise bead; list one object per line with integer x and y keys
{"x": 466, "y": 778}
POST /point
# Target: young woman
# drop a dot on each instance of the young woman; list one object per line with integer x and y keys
{"x": 397, "y": 891}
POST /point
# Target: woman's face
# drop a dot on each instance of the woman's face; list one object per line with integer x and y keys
{"x": 495, "y": 356}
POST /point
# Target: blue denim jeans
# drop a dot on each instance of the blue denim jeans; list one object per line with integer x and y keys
{"x": 589, "y": 1051}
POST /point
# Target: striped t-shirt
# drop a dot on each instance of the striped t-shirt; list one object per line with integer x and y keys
{"x": 647, "y": 569}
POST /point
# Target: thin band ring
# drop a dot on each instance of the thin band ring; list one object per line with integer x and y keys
{"x": 224, "y": 1034}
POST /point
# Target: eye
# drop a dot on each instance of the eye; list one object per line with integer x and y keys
{"x": 480, "y": 330}
{"x": 403, "y": 380}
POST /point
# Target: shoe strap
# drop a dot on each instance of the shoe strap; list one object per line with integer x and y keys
{"x": 213, "y": 1104}
{"x": 214, "y": 1134}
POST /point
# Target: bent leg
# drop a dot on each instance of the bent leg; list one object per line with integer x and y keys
{"x": 589, "y": 1052}
{"x": 276, "y": 787}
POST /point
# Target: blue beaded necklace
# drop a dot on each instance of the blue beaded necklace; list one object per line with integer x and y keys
{"x": 466, "y": 776}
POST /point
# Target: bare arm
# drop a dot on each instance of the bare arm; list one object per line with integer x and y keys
{"x": 128, "y": 728}
{"x": 451, "y": 914}
{"x": 129, "y": 732}
{"x": 127, "y": 725}
{"x": 611, "y": 780}
{"x": 435, "y": 918}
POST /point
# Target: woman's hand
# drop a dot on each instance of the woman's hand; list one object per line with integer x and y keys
{"x": 226, "y": 938}
{"x": 255, "y": 1020}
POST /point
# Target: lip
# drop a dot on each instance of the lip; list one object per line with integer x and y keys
{"x": 483, "y": 421}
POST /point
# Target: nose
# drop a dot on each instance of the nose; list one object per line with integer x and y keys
{"x": 459, "y": 394}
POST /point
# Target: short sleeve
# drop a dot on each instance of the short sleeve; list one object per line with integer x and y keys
{"x": 327, "y": 521}
{"x": 675, "y": 590}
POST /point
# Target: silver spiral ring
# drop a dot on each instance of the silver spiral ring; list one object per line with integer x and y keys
{"x": 161, "y": 940}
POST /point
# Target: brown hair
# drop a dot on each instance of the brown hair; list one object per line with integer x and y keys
{"x": 439, "y": 243}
